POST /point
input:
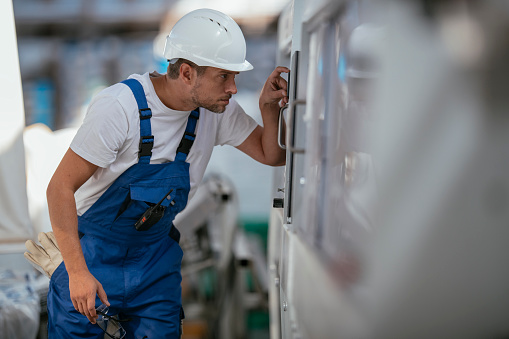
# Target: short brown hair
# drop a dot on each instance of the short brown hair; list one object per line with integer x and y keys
{"x": 174, "y": 69}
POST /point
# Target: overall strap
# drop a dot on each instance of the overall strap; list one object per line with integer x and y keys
{"x": 146, "y": 137}
{"x": 189, "y": 136}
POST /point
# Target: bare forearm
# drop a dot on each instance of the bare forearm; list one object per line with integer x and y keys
{"x": 262, "y": 144}
{"x": 274, "y": 155}
{"x": 72, "y": 172}
{"x": 64, "y": 220}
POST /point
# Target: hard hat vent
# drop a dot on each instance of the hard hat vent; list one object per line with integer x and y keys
{"x": 218, "y": 23}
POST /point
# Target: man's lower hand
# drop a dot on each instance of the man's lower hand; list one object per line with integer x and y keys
{"x": 83, "y": 287}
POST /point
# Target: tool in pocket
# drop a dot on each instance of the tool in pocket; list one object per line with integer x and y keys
{"x": 152, "y": 215}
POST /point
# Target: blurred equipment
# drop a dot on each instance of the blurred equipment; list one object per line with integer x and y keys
{"x": 219, "y": 262}
{"x": 19, "y": 305}
{"x": 396, "y": 186}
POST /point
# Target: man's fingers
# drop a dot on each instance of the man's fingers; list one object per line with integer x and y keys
{"x": 91, "y": 314}
{"x": 275, "y": 77}
{"x": 86, "y": 307}
{"x": 84, "y": 289}
{"x": 278, "y": 84}
{"x": 277, "y": 95}
{"x": 282, "y": 83}
{"x": 82, "y": 308}
{"x": 102, "y": 295}
{"x": 278, "y": 70}
{"x": 275, "y": 80}
{"x": 75, "y": 304}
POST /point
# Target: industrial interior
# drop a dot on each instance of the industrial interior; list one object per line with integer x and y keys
{"x": 390, "y": 217}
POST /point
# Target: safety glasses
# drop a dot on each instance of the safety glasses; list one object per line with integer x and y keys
{"x": 110, "y": 325}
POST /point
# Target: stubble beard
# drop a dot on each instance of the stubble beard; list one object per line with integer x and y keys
{"x": 213, "y": 107}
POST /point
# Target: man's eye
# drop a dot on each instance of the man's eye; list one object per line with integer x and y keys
{"x": 224, "y": 76}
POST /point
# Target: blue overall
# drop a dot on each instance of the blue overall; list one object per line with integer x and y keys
{"x": 139, "y": 270}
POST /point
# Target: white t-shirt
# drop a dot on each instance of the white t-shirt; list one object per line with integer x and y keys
{"x": 110, "y": 135}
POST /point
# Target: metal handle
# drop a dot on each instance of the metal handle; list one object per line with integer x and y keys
{"x": 291, "y": 127}
{"x": 280, "y": 127}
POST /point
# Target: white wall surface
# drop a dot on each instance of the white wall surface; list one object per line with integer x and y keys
{"x": 15, "y": 226}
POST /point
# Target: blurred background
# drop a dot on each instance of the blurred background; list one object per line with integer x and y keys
{"x": 390, "y": 217}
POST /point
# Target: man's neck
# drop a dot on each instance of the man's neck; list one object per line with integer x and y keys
{"x": 170, "y": 93}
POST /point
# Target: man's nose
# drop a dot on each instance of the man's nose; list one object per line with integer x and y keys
{"x": 231, "y": 87}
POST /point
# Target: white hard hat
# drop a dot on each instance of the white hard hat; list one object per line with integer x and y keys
{"x": 208, "y": 38}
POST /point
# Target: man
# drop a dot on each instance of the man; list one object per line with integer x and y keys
{"x": 141, "y": 151}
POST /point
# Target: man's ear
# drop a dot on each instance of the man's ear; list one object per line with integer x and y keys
{"x": 187, "y": 73}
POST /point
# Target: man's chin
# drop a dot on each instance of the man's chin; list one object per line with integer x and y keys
{"x": 216, "y": 108}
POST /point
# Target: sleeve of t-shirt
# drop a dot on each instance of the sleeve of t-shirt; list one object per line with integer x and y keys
{"x": 235, "y": 125}
{"x": 103, "y": 132}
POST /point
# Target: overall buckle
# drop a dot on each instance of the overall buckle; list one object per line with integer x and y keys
{"x": 145, "y": 146}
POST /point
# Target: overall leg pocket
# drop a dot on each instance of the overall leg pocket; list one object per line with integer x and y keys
{"x": 59, "y": 277}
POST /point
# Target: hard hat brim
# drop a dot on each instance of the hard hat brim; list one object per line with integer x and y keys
{"x": 245, "y": 66}
{"x": 234, "y": 67}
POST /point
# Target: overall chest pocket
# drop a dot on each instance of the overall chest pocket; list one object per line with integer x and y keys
{"x": 140, "y": 198}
